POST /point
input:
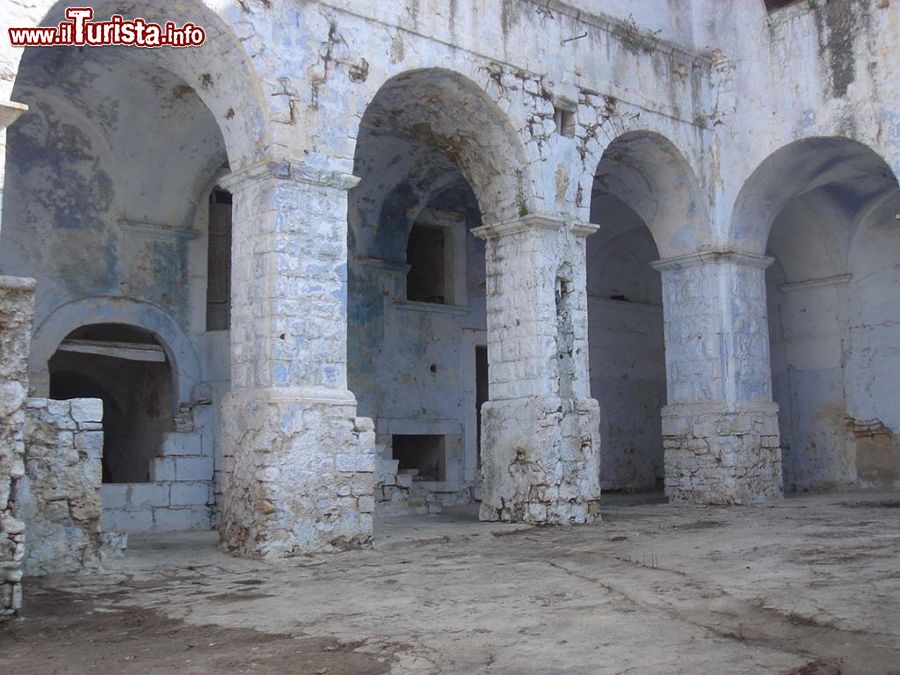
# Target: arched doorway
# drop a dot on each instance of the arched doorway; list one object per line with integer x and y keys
{"x": 128, "y": 370}
{"x": 417, "y": 316}
{"x": 105, "y": 203}
{"x": 643, "y": 199}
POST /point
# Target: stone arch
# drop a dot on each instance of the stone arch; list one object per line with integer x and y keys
{"x": 220, "y": 71}
{"x": 822, "y": 208}
{"x": 64, "y": 319}
{"x": 446, "y": 110}
{"x": 651, "y": 175}
{"x": 831, "y": 163}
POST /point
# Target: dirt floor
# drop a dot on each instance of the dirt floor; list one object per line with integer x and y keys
{"x": 809, "y": 584}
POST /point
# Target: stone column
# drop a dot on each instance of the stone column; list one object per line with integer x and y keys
{"x": 720, "y": 428}
{"x": 10, "y": 111}
{"x": 540, "y": 429}
{"x": 298, "y": 473}
{"x": 16, "y": 314}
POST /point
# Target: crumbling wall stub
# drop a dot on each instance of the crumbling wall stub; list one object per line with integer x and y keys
{"x": 16, "y": 313}
{"x": 59, "y": 497}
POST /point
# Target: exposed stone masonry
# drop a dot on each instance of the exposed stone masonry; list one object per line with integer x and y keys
{"x": 59, "y": 496}
{"x": 15, "y": 336}
{"x": 714, "y": 455}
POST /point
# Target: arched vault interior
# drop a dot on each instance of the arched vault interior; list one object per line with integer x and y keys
{"x": 432, "y": 154}
{"x": 825, "y": 209}
{"x": 634, "y": 202}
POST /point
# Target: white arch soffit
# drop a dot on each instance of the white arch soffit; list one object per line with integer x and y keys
{"x": 650, "y": 167}
{"x": 790, "y": 170}
{"x": 416, "y": 92}
{"x": 91, "y": 311}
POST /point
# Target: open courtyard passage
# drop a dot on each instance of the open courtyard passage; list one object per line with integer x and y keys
{"x": 808, "y": 584}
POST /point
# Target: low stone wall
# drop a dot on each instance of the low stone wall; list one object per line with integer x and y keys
{"x": 398, "y": 493}
{"x": 16, "y": 313}
{"x": 59, "y": 497}
{"x": 719, "y": 456}
{"x": 165, "y": 506}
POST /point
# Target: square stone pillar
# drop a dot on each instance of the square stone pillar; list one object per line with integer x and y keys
{"x": 299, "y": 464}
{"x": 540, "y": 432}
{"x": 10, "y": 111}
{"x": 720, "y": 428}
{"x": 16, "y": 314}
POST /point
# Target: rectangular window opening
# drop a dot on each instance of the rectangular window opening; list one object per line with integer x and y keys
{"x": 218, "y": 265}
{"x": 565, "y": 121}
{"x": 426, "y": 256}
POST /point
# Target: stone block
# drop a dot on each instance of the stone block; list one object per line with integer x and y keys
{"x": 180, "y": 443}
{"x": 174, "y": 520}
{"x": 147, "y": 495}
{"x": 115, "y": 495}
{"x": 357, "y": 462}
{"x": 189, "y": 494}
{"x": 87, "y": 410}
{"x": 162, "y": 469}
{"x": 132, "y": 522}
{"x": 90, "y": 443}
{"x": 193, "y": 469}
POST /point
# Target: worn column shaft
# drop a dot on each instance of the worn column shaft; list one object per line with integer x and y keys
{"x": 298, "y": 462}
{"x": 540, "y": 430}
{"x": 720, "y": 427}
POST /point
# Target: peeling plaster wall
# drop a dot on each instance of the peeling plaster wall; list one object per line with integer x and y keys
{"x": 815, "y": 68}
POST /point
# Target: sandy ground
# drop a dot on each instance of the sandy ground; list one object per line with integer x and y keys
{"x": 809, "y": 584}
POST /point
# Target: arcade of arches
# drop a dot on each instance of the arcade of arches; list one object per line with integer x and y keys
{"x": 435, "y": 281}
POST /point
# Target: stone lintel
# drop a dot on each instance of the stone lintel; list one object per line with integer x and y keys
{"x": 288, "y": 170}
{"x": 10, "y": 111}
{"x": 713, "y": 258}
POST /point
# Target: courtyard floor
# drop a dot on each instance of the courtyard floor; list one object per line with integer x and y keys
{"x": 809, "y": 584}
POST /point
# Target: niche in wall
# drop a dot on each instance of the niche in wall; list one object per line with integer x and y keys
{"x": 425, "y": 454}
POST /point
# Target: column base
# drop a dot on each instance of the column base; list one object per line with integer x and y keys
{"x": 717, "y": 455}
{"x": 299, "y": 473}
{"x": 541, "y": 460}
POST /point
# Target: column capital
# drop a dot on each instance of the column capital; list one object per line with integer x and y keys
{"x": 583, "y": 229}
{"x": 734, "y": 257}
{"x": 288, "y": 170}
{"x": 530, "y": 222}
{"x": 10, "y": 112}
